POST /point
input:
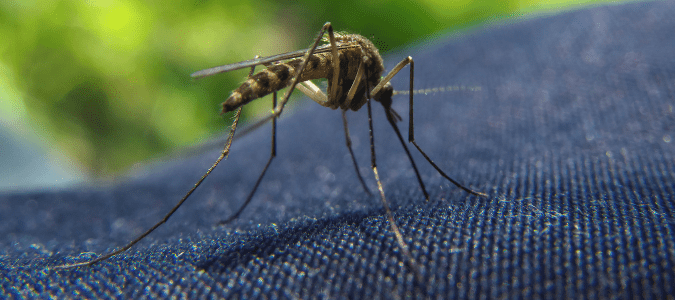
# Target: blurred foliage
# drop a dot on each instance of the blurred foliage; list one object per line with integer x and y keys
{"x": 107, "y": 82}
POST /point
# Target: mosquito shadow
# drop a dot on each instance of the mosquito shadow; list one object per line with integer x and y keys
{"x": 272, "y": 243}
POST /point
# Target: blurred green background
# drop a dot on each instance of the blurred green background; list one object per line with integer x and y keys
{"x": 98, "y": 86}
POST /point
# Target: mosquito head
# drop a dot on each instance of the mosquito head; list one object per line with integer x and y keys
{"x": 384, "y": 95}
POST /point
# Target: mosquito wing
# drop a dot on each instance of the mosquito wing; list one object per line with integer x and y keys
{"x": 264, "y": 60}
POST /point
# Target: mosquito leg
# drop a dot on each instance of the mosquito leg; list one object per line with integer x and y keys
{"x": 466, "y": 189}
{"x": 278, "y": 109}
{"x": 280, "y": 106}
{"x": 411, "y": 128}
{"x": 390, "y": 217}
{"x": 392, "y": 117}
{"x": 351, "y": 152}
{"x": 313, "y": 92}
{"x": 391, "y": 74}
{"x": 250, "y": 73}
{"x": 248, "y": 200}
{"x": 257, "y": 183}
{"x": 336, "y": 63}
{"x": 223, "y": 155}
{"x": 391, "y": 120}
{"x": 412, "y": 263}
{"x": 357, "y": 81}
{"x": 411, "y": 135}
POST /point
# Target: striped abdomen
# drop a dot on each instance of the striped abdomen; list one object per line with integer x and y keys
{"x": 277, "y": 77}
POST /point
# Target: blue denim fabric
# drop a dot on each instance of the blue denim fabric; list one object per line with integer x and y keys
{"x": 568, "y": 127}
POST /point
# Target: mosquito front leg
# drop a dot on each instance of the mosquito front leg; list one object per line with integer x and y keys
{"x": 411, "y": 125}
{"x": 392, "y": 116}
{"x": 392, "y": 73}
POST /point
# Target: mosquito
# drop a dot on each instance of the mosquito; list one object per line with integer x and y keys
{"x": 353, "y": 68}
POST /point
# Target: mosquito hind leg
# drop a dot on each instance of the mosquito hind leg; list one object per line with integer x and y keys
{"x": 280, "y": 106}
{"x": 224, "y": 154}
{"x": 278, "y": 109}
{"x": 273, "y": 154}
